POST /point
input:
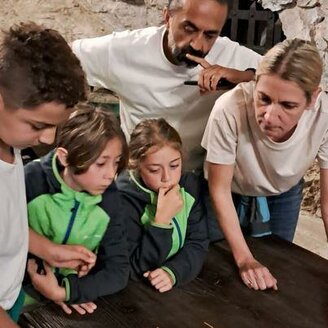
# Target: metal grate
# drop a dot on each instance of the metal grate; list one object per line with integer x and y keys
{"x": 252, "y": 26}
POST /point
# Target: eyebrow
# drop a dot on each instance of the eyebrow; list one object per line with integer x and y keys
{"x": 280, "y": 102}
{"x": 157, "y": 164}
{"x": 187, "y": 22}
{"x": 43, "y": 125}
{"x": 107, "y": 156}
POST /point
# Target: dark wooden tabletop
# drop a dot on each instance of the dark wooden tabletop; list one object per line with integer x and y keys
{"x": 217, "y": 298}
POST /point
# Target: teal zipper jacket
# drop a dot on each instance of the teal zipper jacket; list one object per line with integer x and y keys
{"x": 178, "y": 248}
{"x": 66, "y": 216}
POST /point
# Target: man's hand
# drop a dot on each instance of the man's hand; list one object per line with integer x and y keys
{"x": 256, "y": 276}
{"x": 82, "y": 308}
{"x": 47, "y": 283}
{"x": 160, "y": 279}
{"x": 169, "y": 203}
{"x": 210, "y": 76}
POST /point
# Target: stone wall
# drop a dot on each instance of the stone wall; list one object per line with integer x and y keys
{"x": 87, "y": 18}
{"x": 305, "y": 19}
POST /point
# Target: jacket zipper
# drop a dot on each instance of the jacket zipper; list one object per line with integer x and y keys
{"x": 70, "y": 226}
{"x": 179, "y": 231}
{"x": 71, "y": 221}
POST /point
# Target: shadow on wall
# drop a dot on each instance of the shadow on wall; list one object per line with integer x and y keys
{"x": 134, "y": 2}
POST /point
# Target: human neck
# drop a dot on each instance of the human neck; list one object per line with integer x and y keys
{"x": 67, "y": 178}
{"x": 166, "y": 48}
{"x": 6, "y": 152}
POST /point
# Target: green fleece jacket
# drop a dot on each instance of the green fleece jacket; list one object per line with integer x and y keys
{"x": 66, "y": 216}
{"x": 179, "y": 248}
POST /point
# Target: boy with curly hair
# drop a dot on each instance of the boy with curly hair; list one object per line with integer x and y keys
{"x": 41, "y": 81}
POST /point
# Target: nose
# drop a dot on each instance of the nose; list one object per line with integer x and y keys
{"x": 271, "y": 113}
{"x": 197, "y": 42}
{"x": 47, "y": 136}
{"x": 165, "y": 175}
{"x": 110, "y": 172}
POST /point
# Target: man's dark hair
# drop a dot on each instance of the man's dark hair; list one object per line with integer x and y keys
{"x": 176, "y": 4}
{"x": 37, "y": 66}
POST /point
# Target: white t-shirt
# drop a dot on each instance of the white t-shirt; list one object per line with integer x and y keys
{"x": 133, "y": 64}
{"x": 13, "y": 230}
{"x": 263, "y": 167}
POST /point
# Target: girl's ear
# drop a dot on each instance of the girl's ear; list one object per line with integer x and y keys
{"x": 62, "y": 156}
{"x": 314, "y": 97}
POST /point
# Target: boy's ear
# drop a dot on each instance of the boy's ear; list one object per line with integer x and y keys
{"x": 2, "y": 104}
{"x": 62, "y": 156}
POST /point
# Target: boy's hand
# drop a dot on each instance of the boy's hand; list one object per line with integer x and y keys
{"x": 47, "y": 283}
{"x": 82, "y": 308}
{"x": 71, "y": 256}
{"x": 169, "y": 203}
{"x": 160, "y": 279}
{"x": 61, "y": 256}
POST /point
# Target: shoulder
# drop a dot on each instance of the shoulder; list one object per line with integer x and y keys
{"x": 322, "y": 103}
{"x": 191, "y": 183}
{"x": 226, "y": 51}
{"x": 35, "y": 180}
{"x": 111, "y": 200}
{"x": 34, "y": 173}
{"x": 234, "y": 102}
{"x": 117, "y": 41}
{"x": 135, "y": 37}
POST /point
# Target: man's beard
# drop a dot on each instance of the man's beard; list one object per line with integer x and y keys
{"x": 179, "y": 56}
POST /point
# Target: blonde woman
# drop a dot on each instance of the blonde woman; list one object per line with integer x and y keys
{"x": 260, "y": 139}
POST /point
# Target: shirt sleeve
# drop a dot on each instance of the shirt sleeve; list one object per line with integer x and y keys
{"x": 188, "y": 261}
{"x": 95, "y": 57}
{"x": 111, "y": 271}
{"x": 220, "y": 136}
{"x": 322, "y": 155}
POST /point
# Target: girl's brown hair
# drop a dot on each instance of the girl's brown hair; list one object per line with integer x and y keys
{"x": 86, "y": 134}
{"x": 150, "y": 133}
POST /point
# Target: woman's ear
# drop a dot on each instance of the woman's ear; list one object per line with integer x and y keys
{"x": 314, "y": 97}
{"x": 62, "y": 154}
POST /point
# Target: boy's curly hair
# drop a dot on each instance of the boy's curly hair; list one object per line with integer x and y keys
{"x": 38, "y": 66}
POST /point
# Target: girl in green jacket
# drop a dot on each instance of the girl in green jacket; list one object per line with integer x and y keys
{"x": 167, "y": 234}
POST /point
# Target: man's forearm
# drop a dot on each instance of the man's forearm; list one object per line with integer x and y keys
{"x": 247, "y": 75}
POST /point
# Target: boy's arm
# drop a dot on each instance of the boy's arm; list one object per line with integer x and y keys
{"x": 111, "y": 272}
{"x": 5, "y": 320}
{"x": 149, "y": 245}
{"x": 61, "y": 256}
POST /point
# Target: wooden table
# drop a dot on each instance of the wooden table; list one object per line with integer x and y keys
{"x": 217, "y": 298}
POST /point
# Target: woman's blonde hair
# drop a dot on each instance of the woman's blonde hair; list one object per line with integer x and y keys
{"x": 294, "y": 60}
{"x": 86, "y": 134}
{"x": 149, "y": 133}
